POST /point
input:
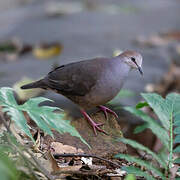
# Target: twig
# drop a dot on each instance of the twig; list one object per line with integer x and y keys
{"x": 86, "y": 155}
{"x": 76, "y": 172}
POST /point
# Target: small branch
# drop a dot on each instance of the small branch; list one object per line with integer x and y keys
{"x": 86, "y": 173}
{"x": 77, "y": 173}
{"x": 87, "y": 155}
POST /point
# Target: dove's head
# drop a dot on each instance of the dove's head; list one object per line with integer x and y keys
{"x": 133, "y": 59}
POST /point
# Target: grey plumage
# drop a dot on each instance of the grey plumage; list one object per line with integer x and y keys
{"x": 93, "y": 82}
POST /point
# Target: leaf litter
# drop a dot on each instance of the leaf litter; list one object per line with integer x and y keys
{"x": 12, "y": 49}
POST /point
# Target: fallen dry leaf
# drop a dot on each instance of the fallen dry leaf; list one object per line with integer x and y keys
{"x": 37, "y": 144}
{"x": 173, "y": 171}
{"x": 59, "y": 148}
{"x": 63, "y": 8}
{"x": 152, "y": 41}
{"x": 170, "y": 81}
{"x": 52, "y": 162}
{"x": 10, "y": 50}
{"x": 47, "y": 51}
{"x": 171, "y": 35}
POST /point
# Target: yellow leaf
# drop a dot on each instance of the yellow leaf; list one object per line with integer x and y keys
{"x": 47, "y": 51}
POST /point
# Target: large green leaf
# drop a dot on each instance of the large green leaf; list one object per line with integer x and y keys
{"x": 44, "y": 116}
{"x": 124, "y": 93}
{"x": 173, "y": 99}
{"x": 138, "y": 172}
{"x": 177, "y": 139}
{"x": 130, "y": 177}
{"x": 177, "y": 120}
{"x": 177, "y": 130}
{"x": 164, "y": 108}
{"x": 140, "y": 128}
{"x": 177, "y": 161}
{"x": 136, "y": 145}
{"x": 10, "y": 106}
{"x": 141, "y": 163}
{"x": 160, "y": 107}
{"x": 152, "y": 124}
{"x": 177, "y": 149}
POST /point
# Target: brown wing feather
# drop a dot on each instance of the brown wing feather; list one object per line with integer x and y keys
{"x": 75, "y": 79}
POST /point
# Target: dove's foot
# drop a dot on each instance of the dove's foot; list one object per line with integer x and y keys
{"x": 107, "y": 110}
{"x": 95, "y": 126}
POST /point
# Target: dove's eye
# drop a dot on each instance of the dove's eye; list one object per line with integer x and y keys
{"x": 133, "y": 59}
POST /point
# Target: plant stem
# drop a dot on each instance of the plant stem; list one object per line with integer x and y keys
{"x": 171, "y": 142}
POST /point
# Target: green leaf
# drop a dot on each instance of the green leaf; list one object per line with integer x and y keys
{"x": 160, "y": 107}
{"x": 177, "y": 161}
{"x": 43, "y": 116}
{"x": 10, "y": 105}
{"x": 177, "y": 149}
{"x": 177, "y": 130}
{"x": 138, "y": 172}
{"x": 152, "y": 124}
{"x": 124, "y": 93}
{"x": 174, "y": 100}
{"x": 140, "y": 128}
{"x": 130, "y": 177}
{"x": 163, "y": 154}
{"x": 177, "y": 120}
{"x": 136, "y": 145}
{"x": 141, "y": 163}
{"x": 177, "y": 139}
{"x": 141, "y": 105}
{"x": 7, "y": 168}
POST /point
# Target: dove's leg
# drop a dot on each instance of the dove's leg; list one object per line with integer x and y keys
{"x": 95, "y": 126}
{"x": 107, "y": 110}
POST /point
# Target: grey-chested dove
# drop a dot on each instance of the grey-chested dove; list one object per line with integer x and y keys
{"x": 91, "y": 83}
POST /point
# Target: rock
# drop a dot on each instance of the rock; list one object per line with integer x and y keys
{"x": 102, "y": 145}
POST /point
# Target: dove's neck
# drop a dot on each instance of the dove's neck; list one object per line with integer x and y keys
{"x": 121, "y": 67}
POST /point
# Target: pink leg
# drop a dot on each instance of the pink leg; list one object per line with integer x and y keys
{"x": 93, "y": 124}
{"x": 107, "y": 110}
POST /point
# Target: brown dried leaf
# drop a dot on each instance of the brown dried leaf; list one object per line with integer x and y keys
{"x": 172, "y": 35}
{"x": 170, "y": 82}
{"x": 59, "y": 148}
{"x": 152, "y": 41}
{"x": 53, "y": 163}
{"x": 37, "y": 143}
{"x": 173, "y": 171}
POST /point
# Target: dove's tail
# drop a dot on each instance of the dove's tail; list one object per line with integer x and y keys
{"x": 36, "y": 84}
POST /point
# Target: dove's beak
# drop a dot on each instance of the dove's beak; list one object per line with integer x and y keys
{"x": 140, "y": 70}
